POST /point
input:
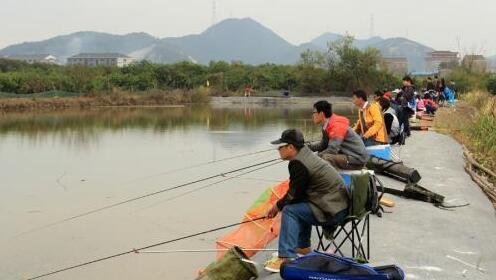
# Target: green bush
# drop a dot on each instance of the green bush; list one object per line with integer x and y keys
{"x": 313, "y": 75}
{"x": 483, "y": 134}
{"x": 468, "y": 80}
{"x": 491, "y": 84}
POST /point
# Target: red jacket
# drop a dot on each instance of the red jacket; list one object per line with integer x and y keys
{"x": 337, "y": 127}
{"x": 430, "y": 102}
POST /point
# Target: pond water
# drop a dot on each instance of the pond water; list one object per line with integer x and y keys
{"x": 57, "y": 165}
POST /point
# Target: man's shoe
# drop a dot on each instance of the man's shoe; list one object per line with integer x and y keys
{"x": 303, "y": 251}
{"x": 274, "y": 264}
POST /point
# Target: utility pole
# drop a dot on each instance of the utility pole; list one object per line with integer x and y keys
{"x": 372, "y": 31}
{"x": 214, "y": 12}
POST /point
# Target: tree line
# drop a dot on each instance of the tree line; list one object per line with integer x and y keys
{"x": 342, "y": 68}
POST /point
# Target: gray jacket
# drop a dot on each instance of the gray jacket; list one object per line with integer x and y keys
{"x": 351, "y": 146}
{"x": 325, "y": 191}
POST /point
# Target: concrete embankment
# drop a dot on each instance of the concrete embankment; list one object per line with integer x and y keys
{"x": 428, "y": 242}
{"x": 278, "y": 100}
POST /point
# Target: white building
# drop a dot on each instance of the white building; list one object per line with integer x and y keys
{"x": 34, "y": 58}
{"x": 439, "y": 60}
{"x": 95, "y": 59}
{"x": 475, "y": 62}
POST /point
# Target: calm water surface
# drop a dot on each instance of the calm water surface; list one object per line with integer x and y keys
{"x": 59, "y": 164}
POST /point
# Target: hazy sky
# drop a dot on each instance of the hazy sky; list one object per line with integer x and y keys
{"x": 458, "y": 25}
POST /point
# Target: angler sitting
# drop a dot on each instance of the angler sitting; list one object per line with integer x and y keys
{"x": 316, "y": 196}
{"x": 430, "y": 105}
{"x": 393, "y": 126}
{"x": 420, "y": 105}
{"x": 340, "y": 145}
{"x": 370, "y": 124}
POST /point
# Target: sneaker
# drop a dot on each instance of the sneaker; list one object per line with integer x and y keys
{"x": 274, "y": 264}
{"x": 303, "y": 251}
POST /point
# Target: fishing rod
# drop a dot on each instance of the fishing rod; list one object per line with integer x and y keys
{"x": 204, "y": 251}
{"x": 209, "y": 185}
{"x": 143, "y": 248}
{"x": 197, "y": 165}
{"x": 144, "y": 196}
{"x": 203, "y": 164}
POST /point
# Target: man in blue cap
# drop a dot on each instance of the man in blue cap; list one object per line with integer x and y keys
{"x": 316, "y": 196}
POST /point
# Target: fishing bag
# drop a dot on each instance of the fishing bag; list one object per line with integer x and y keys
{"x": 374, "y": 195}
{"x": 233, "y": 265}
{"x": 317, "y": 265}
{"x": 393, "y": 169}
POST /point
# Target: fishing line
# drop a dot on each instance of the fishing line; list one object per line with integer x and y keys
{"x": 196, "y": 165}
{"x": 203, "y": 251}
{"x": 208, "y": 185}
{"x": 144, "y": 196}
{"x": 143, "y": 248}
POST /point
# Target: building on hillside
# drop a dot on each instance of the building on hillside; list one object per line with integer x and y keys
{"x": 438, "y": 60}
{"x": 492, "y": 65}
{"x": 395, "y": 65}
{"x": 475, "y": 62}
{"x": 34, "y": 58}
{"x": 424, "y": 74}
{"x": 96, "y": 59}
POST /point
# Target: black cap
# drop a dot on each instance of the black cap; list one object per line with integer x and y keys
{"x": 290, "y": 136}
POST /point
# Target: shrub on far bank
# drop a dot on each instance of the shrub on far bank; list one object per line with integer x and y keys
{"x": 343, "y": 68}
{"x": 491, "y": 84}
{"x": 480, "y": 131}
{"x": 469, "y": 80}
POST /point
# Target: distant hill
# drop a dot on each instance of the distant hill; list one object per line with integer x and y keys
{"x": 237, "y": 39}
{"x": 392, "y": 47}
{"x": 492, "y": 63}
{"x": 323, "y": 40}
{"x": 85, "y": 41}
{"x": 230, "y": 40}
{"x": 162, "y": 52}
{"x": 401, "y": 47}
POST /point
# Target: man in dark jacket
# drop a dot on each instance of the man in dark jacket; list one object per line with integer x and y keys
{"x": 316, "y": 196}
{"x": 406, "y": 99}
{"x": 340, "y": 145}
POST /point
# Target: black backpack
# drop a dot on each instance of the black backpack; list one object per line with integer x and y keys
{"x": 376, "y": 191}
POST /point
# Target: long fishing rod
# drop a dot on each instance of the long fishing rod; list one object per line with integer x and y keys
{"x": 197, "y": 165}
{"x": 209, "y": 185}
{"x": 143, "y": 248}
{"x": 204, "y": 251}
{"x": 144, "y": 196}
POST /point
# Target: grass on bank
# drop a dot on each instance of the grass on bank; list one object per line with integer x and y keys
{"x": 473, "y": 123}
{"x": 56, "y": 99}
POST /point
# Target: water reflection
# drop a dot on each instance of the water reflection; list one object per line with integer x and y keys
{"x": 59, "y": 164}
{"x": 79, "y": 128}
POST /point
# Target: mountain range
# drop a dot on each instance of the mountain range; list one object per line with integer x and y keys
{"x": 492, "y": 63}
{"x": 242, "y": 40}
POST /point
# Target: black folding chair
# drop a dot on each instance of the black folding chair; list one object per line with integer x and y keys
{"x": 355, "y": 228}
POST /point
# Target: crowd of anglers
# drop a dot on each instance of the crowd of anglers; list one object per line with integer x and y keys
{"x": 317, "y": 194}
{"x": 402, "y": 104}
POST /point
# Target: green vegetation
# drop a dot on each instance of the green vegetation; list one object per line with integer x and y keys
{"x": 483, "y": 131}
{"x": 60, "y": 100}
{"x": 473, "y": 123}
{"x": 467, "y": 80}
{"x": 343, "y": 68}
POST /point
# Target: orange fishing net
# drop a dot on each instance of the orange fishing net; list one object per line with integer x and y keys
{"x": 257, "y": 234}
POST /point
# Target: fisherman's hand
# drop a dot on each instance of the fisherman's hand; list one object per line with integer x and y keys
{"x": 273, "y": 212}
